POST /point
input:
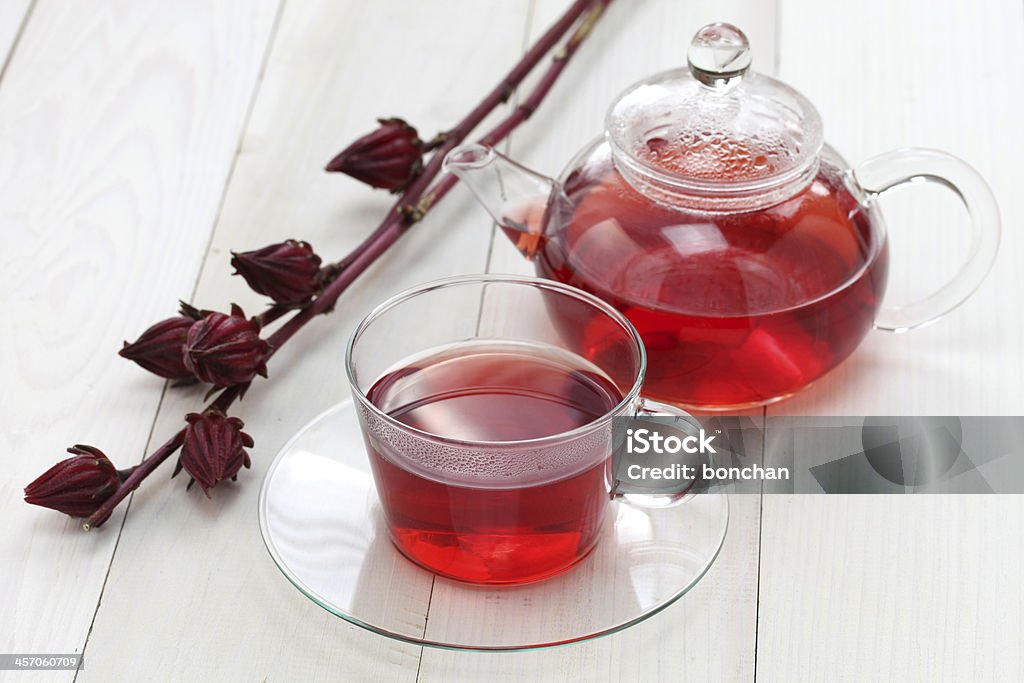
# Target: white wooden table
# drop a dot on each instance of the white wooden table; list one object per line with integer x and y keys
{"x": 141, "y": 140}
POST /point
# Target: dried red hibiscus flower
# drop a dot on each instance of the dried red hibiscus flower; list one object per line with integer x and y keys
{"x": 214, "y": 449}
{"x": 388, "y": 158}
{"x": 226, "y": 349}
{"x": 76, "y": 486}
{"x": 160, "y": 348}
{"x": 287, "y": 272}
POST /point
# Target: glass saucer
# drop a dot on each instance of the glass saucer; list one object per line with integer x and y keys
{"x": 323, "y": 525}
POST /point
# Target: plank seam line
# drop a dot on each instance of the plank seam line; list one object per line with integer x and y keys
{"x": 530, "y": 9}
{"x": 17, "y": 38}
{"x": 426, "y": 622}
{"x": 120, "y": 530}
{"x": 777, "y": 65}
{"x": 777, "y": 61}
{"x": 760, "y": 531}
{"x": 271, "y": 39}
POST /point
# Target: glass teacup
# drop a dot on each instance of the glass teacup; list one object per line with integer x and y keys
{"x": 486, "y": 404}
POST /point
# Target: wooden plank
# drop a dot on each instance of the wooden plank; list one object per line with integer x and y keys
{"x": 916, "y": 587}
{"x": 707, "y": 635}
{"x": 13, "y": 17}
{"x": 886, "y": 75}
{"x": 118, "y": 125}
{"x": 199, "y": 566}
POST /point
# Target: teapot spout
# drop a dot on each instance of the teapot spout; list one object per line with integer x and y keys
{"x": 516, "y": 197}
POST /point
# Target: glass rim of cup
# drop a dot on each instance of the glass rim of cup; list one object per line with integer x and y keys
{"x": 509, "y": 279}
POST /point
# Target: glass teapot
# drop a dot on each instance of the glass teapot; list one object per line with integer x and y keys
{"x": 751, "y": 258}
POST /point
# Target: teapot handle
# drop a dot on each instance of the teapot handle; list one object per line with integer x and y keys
{"x": 887, "y": 171}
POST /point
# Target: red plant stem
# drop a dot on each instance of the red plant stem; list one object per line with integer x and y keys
{"x": 133, "y": 480}
{"x": 146, "y": 467}
{"x": 412, "y": 207}
{"x": 408, "y": 210}
{"x": 498, "y": 95}
{"x": 453, "y": 138}
{"x": 525, "y": 110}
{"x": 399, "y": 221}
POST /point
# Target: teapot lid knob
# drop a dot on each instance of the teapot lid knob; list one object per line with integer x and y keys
{"x": 719, "y": 54}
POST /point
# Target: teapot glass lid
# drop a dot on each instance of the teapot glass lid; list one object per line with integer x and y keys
{"x": 715, "y": 133}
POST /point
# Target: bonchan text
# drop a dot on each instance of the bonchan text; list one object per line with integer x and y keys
{"x": 708, "y": 473}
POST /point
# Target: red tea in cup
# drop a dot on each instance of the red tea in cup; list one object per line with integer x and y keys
{"x": 496, "y": 511}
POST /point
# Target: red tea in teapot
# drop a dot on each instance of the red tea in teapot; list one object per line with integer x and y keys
{"x": 514, "y": 526}
{"x": 735, "y": 309}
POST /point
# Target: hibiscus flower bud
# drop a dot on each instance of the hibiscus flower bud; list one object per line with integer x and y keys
{"x": 159, "y": 348}
{"x": 287, "y": 272}
{"x": 225, "y": 350}
{"x": 388, "y": 158}
{"x": 214, "y": 449}
{"x": 77, "y": 486}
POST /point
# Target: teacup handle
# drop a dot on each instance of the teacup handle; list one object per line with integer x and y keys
{"x": 650, "y": 408}
{"x": 887, "y": 171}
